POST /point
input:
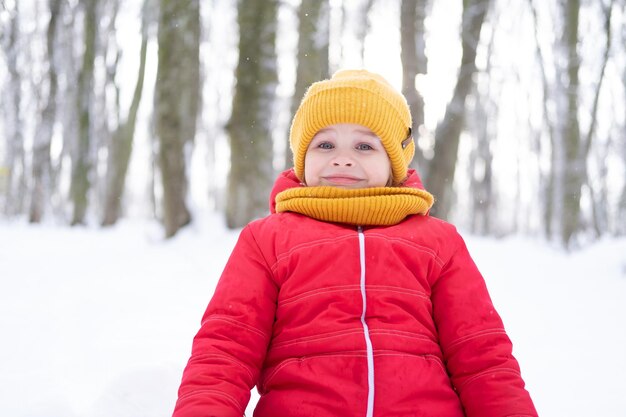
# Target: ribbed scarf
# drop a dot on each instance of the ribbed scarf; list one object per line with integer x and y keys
{"x": 379, "y": 206}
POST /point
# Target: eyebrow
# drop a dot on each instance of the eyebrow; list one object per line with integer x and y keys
{"x": 363, "y": 131}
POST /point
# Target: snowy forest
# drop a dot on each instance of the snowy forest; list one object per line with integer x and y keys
{"x": 138, "y": 137}
{"x": 158, "y": 109}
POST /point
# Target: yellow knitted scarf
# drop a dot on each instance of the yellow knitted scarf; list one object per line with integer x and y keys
{"x": 378, "y": 206}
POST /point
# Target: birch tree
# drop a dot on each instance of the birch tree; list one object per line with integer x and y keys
{"x": 249, "y": 128}
{"x": 447, "y": 135}
{"x": 177, "y": 96}
{"x": 312, "y": 60}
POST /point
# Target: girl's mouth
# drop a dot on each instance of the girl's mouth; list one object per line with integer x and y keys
{"x": 342, "y": 179}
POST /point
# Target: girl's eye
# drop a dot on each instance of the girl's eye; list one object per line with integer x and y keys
{"x": 364, "y": 147}
{"x": 325, "y": 145}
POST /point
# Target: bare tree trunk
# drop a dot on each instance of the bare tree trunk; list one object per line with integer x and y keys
{"x": 599, "y": 198}
{"x": 82, "y": 159}
{"x": 154, "y": 170}
{"x": 41, "y": 187}
{"x": 105, "y": 107}
{"x": 481, "y": 158}
{"x": 620, "y": 215}
{"x": 572, "y": 147}
{"x": 15, "y": 182}
{"x": 355, "y": 24}
{"x": 177, "y": 99}
{"x": 414, "y": 62}
{"x": 249, "y": 129}
{"x": 547, "y": 180}
{"x": 481, "y": 183}
{"x": 570, "y": 166}
{"x": 363, "y": 25}
{"x": 312, "y": 60}
{"x": 599, "y": 193}
{"x": 620, "y": 226}
{"x": 447, "y": 135}
{"x": 121, "y": 146}
{"x": 67, "y": 97}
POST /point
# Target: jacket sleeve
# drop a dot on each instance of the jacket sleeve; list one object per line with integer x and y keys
{"x": 475, "y": 346}
{"x": 229, "y": 349}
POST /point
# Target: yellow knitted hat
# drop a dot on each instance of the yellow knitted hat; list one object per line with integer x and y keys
{"x": 359, "y": 97}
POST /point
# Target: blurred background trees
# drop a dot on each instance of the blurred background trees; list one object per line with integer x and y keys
{"x": 116, "y": 109}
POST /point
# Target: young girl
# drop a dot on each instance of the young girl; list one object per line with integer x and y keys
{"x": 349, "y": 299}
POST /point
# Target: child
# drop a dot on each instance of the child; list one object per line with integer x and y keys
{"x": 349, "y": 300}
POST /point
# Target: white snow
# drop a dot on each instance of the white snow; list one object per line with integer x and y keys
{"x": 99, "y": 323}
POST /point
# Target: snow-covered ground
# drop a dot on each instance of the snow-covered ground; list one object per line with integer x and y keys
{"x": 99, "y": 323}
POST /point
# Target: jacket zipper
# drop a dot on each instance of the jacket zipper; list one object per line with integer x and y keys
{"x": 366, "y": 332}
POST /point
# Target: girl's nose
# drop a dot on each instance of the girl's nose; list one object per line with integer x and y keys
{"x": 342, "y": 161}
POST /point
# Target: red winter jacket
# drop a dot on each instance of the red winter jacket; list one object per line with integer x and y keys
{"x": 331, "y": 320}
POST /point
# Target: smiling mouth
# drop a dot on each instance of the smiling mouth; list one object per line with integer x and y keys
{"x": 342, "y": 179}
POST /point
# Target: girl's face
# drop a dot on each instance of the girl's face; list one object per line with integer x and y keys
{"x": 348, "y": 156}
